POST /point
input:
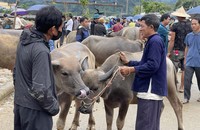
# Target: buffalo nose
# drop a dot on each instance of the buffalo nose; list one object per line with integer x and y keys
{"x": 83, "y": 93}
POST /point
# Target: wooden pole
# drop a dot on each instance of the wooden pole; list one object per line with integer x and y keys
{"x": 127, "y": 1}
{"x": 17, "y": 2}
{"x": 140, "y": 7}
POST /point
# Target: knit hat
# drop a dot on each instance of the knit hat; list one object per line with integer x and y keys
{"x": 180, "y": 13}
{"x": 101, "y": 20}
{"x": 96, "y": 16}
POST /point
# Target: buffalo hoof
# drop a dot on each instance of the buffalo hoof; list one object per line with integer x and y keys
{"x": 91, "y": 127}
{"x": 180, "y": 129}
{"x": 60, "y": 124}
{"x": 73, "y": 127}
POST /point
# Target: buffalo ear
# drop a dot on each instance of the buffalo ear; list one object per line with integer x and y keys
{"x": 84, "y": 63}
{"x": 55, "y": 64}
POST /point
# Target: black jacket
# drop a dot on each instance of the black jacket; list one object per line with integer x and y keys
{"x": 92, "y": 26}
{"x": 33, "y": 74}
{"x": 99, "y": 29}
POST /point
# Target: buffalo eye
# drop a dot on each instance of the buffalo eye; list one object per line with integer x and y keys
{"x": 65, "y": 74}
{"x": 95, "y": 89}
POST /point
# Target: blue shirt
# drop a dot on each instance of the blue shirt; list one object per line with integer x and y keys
{"x": 192, "y": 41}
{"x": 152, "y": 66}
{"x": 162, "y": 30}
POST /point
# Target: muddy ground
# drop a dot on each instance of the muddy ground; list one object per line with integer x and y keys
{"x": 191, "y": 113}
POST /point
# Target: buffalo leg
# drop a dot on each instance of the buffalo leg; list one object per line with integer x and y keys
{"x": 75, "y": 122}
{"x": 109, "y": 115}
{"x": 122, "y": 114}
{"x": 65, "y": 102}
{"x": 91, "y": 122}
{"x": 176, "y": 104}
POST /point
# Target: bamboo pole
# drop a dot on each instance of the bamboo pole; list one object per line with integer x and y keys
{"x": 17, "y": 2}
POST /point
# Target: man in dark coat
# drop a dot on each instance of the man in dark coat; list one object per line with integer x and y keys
{"x": 95, "y": 21}
{"x": 150, "y": 80}
{"x": 35, "y": 100}
{"x": 99, "y": 28}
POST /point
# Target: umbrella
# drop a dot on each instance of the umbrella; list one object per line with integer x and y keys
{"x": 129, "y": 18}
{"x": 35, "y": 8}
{"x": 137, "y": 16}
{"x": 19, "y": 11}
{"x": 195, "y": 10}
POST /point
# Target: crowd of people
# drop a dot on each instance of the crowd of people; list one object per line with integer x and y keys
{"x": 20, "y": 23}
{"x": 98, "y": 25}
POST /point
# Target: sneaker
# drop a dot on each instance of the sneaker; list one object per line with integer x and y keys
{"x": 185, "y": 101}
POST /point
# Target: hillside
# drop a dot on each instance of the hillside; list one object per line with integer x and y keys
{"x": 77, "y": 9}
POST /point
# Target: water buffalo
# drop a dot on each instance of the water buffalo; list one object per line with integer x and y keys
{"x": 70, "y": 38}
{"x": 9, "y": 40}
{"x": 103, "y": 47}
{"x": 131, "y": 33}
{"x": 119, "y": 94}
{"x": 69, "y": 61}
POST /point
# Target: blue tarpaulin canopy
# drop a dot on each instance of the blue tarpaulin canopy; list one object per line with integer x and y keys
{"x": 195, "y": 10}
{"x": 36, "y": 8}
{"x": 129, "y": 18}
{"x": 137, "y": 16}
{"x": 19, "y": 11}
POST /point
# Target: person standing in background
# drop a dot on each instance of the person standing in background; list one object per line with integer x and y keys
{"x": 163, "y": 31}
{"x": 76, "y": 23}
{"x": 131, "y": 24}
{"x": 63, "y": 31}
{"x": 117, "y": 27}
{"x": 192, "y": 60}
{"x": 176, "y": 48}
{"x": 69, "y": 24}
{"x": 18, "y": 23}
{"x": 92, "y": 25}
{"x": 100, "y": 29}
{"x": 82, "y": 30}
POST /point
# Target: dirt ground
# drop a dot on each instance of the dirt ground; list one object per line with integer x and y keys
{"x": 191, "y": 115}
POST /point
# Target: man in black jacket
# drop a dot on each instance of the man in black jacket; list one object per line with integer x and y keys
{"x": 93, "y": 23}
{"x": 35, "y": 100}
{"x": 99, "y": 28}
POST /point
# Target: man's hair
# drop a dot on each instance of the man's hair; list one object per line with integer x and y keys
{"x": 151, "y": 19}
{"x": 5, "y": 15}
{"x": 164, "y": 16}
{"x": 197, "y": 18}
{"x": 118, "y": 19}
{"x": 48, "y": 17}
{"x": 82, "y": 19}
{"x": 70, "y": 15}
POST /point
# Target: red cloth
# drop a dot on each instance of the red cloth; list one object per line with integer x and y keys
{"x": 117, "y": 27}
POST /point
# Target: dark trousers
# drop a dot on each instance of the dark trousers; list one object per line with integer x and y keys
{"x": 189, "y": 71}
{"x": 148, "y": 114}
{"x": 64, "y": 33}
{"x": 29, "y": 119}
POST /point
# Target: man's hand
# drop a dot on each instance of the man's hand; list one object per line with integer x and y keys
{"x": 168, "y": 55}
{"x": 123, "y": 57}
{"x": 126, "y": 71}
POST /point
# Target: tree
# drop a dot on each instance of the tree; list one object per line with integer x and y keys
{"x": 152, "y": 6}
{"x": 84, "y": 4}
{"x": 187, "y": 4}
{"x": 137, "y": 9}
